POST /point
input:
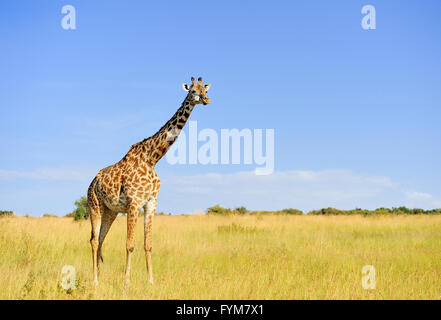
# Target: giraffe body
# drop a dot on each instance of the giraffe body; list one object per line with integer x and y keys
{"x": 125, "y": 181}
{"x": 132, "y": 184}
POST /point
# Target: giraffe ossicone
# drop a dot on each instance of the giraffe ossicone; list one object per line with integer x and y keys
{"x": 132, "y": 184}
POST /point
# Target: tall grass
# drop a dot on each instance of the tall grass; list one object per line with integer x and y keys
{"x": 234, "y": 257}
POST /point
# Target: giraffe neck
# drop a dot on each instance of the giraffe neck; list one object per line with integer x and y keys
{"x": 161, "y": 141}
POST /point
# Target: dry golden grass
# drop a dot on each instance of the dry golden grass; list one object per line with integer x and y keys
{"x": 212, "y": 257}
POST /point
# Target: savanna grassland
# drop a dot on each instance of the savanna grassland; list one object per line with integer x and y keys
{"x": 235, "y": 257}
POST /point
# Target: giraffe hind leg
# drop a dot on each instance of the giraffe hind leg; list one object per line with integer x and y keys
{"x": 95, "y": 219}
{"x": 95, "y": 207}
{"x": 106, "y": 222}
{"x": 132, "y": 217}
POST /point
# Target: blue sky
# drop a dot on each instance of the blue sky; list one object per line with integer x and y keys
{"x": 356, "y": 112}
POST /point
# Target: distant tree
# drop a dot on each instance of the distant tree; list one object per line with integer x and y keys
{"x": 404, "y": 210}
{"x": 379, "y": 211}
{"x": 292, "y": 211}
{"x": 382, "y": 211}
{"x": 333, "y": 211}
{"x": 82, "y": 209}
{"x": 217, "y": 209}
{"x": 433, "y": 211}
{"x": 49, "y": 215}
{"x": 6, "y": 213}
{"x": 241, "y": 210}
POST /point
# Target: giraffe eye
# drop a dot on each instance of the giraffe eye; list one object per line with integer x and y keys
{"x": 193, "y": 91}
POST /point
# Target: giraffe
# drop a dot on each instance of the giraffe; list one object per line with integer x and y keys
{"x": 132, "y": 184}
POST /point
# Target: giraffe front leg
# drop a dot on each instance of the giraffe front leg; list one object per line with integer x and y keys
{"x": 149, "y": 212}
{"x": 96, "y": 223}
{"x": 132, "y": 217}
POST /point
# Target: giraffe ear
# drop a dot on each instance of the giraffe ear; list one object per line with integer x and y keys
{"x": 185, "y": 87}
{"x": 207, "y": 87}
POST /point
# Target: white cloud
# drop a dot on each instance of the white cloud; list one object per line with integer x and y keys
{"x": 418, "y": 195}
{"x": 89, "y": 125}
{"x": 303, "y": 189}
{"x": 415, "y": 199}
{"x": 57, "y": 174}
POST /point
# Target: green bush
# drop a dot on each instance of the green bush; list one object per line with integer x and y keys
{"x": 241, "y": 210}
{"x": 82, "y": 209}
{"x": 49, "y": 215}
{"x": 379, "y": 211}
{"x": 4, "y": 213}
{"x": 291, "y": 211}
{"x": 217, "y": 209}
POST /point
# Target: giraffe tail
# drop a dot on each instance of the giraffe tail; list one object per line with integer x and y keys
{"x": 100, "y": 256}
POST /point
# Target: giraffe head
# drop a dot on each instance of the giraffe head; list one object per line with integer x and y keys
{"x": 197, "y": 92}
